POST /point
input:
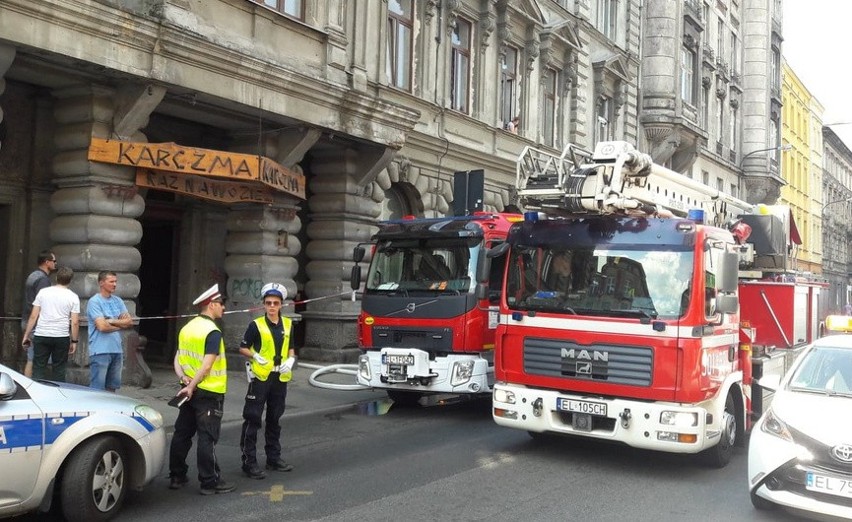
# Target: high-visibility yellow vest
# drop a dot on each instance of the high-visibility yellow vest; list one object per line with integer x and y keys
{"x": 191, "y": 353}
{"x": 267, "y": 349}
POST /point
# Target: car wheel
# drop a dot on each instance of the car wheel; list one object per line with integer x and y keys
{"x": 94, "y": 481}
{"x": 760, "y": 503}
{"x": 405, "y": 398}
{"x": 719, "y": 455}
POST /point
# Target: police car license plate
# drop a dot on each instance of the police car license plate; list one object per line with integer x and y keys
{"x": 592, "y": 408}
{"x": 404, "y": 360}
{"x": 827, "y": 484}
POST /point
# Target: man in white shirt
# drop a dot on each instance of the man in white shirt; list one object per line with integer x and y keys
{"x": 54, "y": 324}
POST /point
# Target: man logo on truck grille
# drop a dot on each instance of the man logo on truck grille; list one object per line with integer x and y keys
{"x": 585, "y": 364}
{"x": 410, "y": 307}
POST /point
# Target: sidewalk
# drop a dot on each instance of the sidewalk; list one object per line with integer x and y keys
{"x": 302, "y": 397}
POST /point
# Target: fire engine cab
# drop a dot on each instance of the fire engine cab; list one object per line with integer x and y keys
{"x": 422, "y": 330}
{"x": 622, "y": 303}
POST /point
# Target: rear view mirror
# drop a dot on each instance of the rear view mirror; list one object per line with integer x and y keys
{"x": 8, "y": 388}
{"x": 770, "y": 382}
{"x": 355, "y": 277}
{"x": 358, "y": 254}
{"x": 730, "y": 272}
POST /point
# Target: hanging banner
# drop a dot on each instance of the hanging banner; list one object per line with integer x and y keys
{"x": 181, "y": 161}
{"x": 204, "y": 188}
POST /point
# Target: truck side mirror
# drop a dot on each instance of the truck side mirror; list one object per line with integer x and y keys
{"x": 483, "y": 264}
{"x": 727, "y": 303}
{"x": 358, "y": 254}
{"x": 481, "y": 291}
{"x": 729, "y": 273}
{"x": 355, "y": 276}
{"x": 483, "y": 268}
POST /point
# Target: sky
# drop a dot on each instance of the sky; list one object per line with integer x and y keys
{"x": 817, "y": 46}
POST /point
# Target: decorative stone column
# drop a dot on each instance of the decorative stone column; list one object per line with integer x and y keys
{"x": 342, "y": 215}
{"x": 9, "y": 337}
{"x": 96, "y": 207}
{"x": 262, "y": 241}
{"x": 260, "y": 246}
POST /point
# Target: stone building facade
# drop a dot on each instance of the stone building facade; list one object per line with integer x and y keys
{"x": 835, "y": 211}
{"x": 374, "y": 104}
{"x": 707, "y": 109}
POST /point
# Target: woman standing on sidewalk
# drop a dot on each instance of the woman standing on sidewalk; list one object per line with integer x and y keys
{"x": 266, "y": 344}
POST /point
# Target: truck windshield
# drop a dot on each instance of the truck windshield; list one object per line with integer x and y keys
{"x": 599, "y": 281}
{"x": 429, "y": 265}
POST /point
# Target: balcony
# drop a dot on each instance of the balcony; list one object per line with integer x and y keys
{"x": 692, "y": 13}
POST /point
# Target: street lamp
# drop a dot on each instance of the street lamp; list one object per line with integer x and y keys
{"x": 782, "y": 148}
{"x": 844, "y": 200}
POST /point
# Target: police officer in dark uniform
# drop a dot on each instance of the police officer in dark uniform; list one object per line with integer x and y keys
{"x": 202, "y": 370}
{"x": 266, "y": 344}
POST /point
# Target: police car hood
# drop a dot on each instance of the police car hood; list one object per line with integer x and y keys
{"x": 66, "y": 396}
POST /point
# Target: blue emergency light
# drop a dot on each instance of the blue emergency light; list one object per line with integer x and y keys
{"x": 696, "y": 215}
{"x": 531, "y": 216}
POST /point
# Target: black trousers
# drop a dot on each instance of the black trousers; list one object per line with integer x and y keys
{"x": 271, "y": 393}
{"x": 45, "y": 348}
{"x": 203, "y": 415}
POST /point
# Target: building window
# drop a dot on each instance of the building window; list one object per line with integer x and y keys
{"x": 294, "y": 8}
{"x": 400, "y": 23}
{"x": 720, "y": 123}
{"x": 604, "y": 119}
{"x": 732, "y": 130}
{"x": 549, "y": 109}
{"x": 461, "y": 66}
{"x": 735, "y": 54}
{"x": 606, "y": 16}
{"x": 734, "y": 190}
{"x": 687, "y": 75}
{"x": 705, "y": 104}
{"x": 508, "y": 85}
{"x": 775, "y": 71}
{"x": 720, "y": 38}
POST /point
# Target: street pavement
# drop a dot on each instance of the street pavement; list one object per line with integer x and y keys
{"x": 303, "y": 398}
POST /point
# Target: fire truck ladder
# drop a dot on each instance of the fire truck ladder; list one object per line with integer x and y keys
{"x": 615, "y": 179}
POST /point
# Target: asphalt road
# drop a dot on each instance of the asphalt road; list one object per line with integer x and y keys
{"x": 453, "y": 463}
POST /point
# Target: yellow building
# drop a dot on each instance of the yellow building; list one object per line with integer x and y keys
{"x": 801, "y": 167}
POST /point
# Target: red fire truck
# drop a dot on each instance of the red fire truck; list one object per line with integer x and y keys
{"x": 422, "y": 329}
{"x": 621, "y": 306}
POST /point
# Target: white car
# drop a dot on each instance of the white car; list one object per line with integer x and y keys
{"x": 78, "y": 447}
{"x": 800, "y": 453}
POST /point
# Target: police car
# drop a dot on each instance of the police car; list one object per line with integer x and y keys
{"x": 800, "y": 452}
{"x": 73, "y": 450}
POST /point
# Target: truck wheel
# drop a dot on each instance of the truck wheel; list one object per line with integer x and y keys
{"x": 760, "y": 503}
{"x": 719, "y": 455}
{"x": 405, "y": 398}
{"x": 94, "y": 481}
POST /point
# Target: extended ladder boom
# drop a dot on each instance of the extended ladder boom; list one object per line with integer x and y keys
{"x": 615, "y": 179}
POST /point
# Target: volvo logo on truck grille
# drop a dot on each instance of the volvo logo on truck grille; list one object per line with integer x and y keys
{"x": 587, "y": 364}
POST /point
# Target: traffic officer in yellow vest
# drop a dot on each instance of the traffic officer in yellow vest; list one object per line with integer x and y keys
{"x": 266, "y": 344}
{"x": 200, "y": 366}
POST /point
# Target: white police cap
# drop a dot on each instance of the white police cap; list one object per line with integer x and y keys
{"x": 208, "y": 295}
{"x": 276, "y": 289}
